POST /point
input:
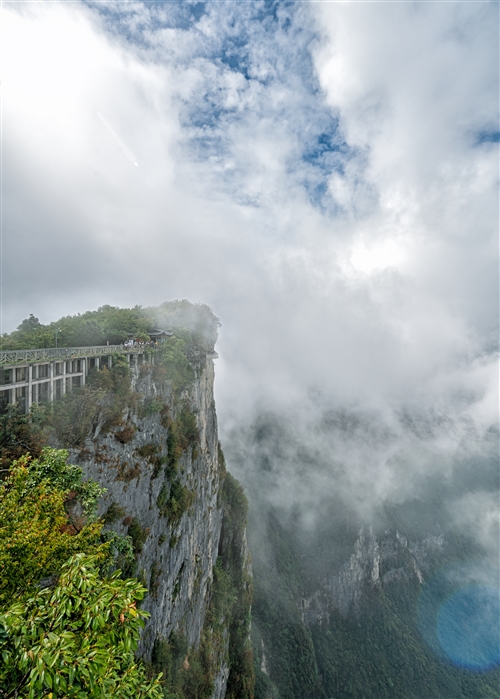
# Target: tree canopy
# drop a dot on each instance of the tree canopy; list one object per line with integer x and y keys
{"x": 114, "y": 325}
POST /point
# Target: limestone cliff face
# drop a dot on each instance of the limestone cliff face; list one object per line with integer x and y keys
{"x": 375, "y": 561}
{"x": 174, "y": 512}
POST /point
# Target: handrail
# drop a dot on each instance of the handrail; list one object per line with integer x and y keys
{"x": 36, "y": 355}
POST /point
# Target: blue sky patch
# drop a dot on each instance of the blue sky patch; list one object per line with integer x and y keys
{"x": 487, "y": 136}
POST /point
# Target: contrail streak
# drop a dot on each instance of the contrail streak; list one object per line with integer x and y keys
{"x": 124, "y": 148}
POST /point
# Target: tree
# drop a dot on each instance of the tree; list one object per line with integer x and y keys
{"x": 29, "y": 324}
{"x": 77, "y": 639}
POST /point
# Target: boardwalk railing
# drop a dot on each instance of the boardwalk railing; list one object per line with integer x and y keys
{"x": 54, "y": 353}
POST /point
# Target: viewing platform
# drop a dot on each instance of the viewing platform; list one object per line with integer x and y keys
{"x": 43, "y": 375}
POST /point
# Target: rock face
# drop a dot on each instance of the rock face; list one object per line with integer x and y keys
{"x": 375, "y": 561}
{"x": 167, "y": 495}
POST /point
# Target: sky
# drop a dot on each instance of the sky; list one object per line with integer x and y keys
{"x": 324, "y": 175}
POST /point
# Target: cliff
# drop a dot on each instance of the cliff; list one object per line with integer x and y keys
{"x": 152, "y": 442}
{"x": 350, "y": 611}
{"x": 376, "y": 561}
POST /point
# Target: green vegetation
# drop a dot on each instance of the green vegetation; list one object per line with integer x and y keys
{"x": 137, "y": 533}
{"x": 182, "y": 433}
{"x": 113, "y": 325}
{"x": 71, "y": 419}
{"x": 76, "y": 639}
{"x": 174, "y": 500}
{"x": 221, "y": 459}
{"x": 37, "y": 534}
{"x": 72, "y": 630}
{"x": 198, "y": 319}
{"x": 107, "y": 324}
{"x": 154, "y": 580}
{"x": 188, "y": 672}
{"x": 150, "y": 453}
{"x": 67, "y": 629}
{"x": 147, "y": 451}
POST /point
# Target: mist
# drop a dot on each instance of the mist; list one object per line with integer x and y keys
{"x": 325, "y": 177}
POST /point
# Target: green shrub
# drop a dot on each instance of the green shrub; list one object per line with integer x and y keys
{"x": 174, "y": 500}
{"x": 128, "y": 473}
{"x": 150, "y": 452}
{"x": 113, "y": 513}
{"x": 81, "y": 612}
{"x": 182, "y": 433}
{"x": 37, "y": 534}
{"x": 108, "y": 323}
{"x": 138, "y": 534}
{"x": 188, "y": 673}
{"x": 187, "y": 426}
{"x": 149, "y": 407}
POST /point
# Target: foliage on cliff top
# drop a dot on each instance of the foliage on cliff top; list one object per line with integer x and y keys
{"x": 113, "y": 325}
{"x": 107, "y": 324}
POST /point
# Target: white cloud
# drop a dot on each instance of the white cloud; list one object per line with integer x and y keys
{"x": 478, "y": 514}
{"x": 323, "y": 193}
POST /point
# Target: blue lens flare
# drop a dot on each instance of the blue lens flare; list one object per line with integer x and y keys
{"x": 468, "y": 627}
{"x": 459, "y": 615}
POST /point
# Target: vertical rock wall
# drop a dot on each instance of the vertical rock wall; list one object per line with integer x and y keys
{"x": 175, "y": 555}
